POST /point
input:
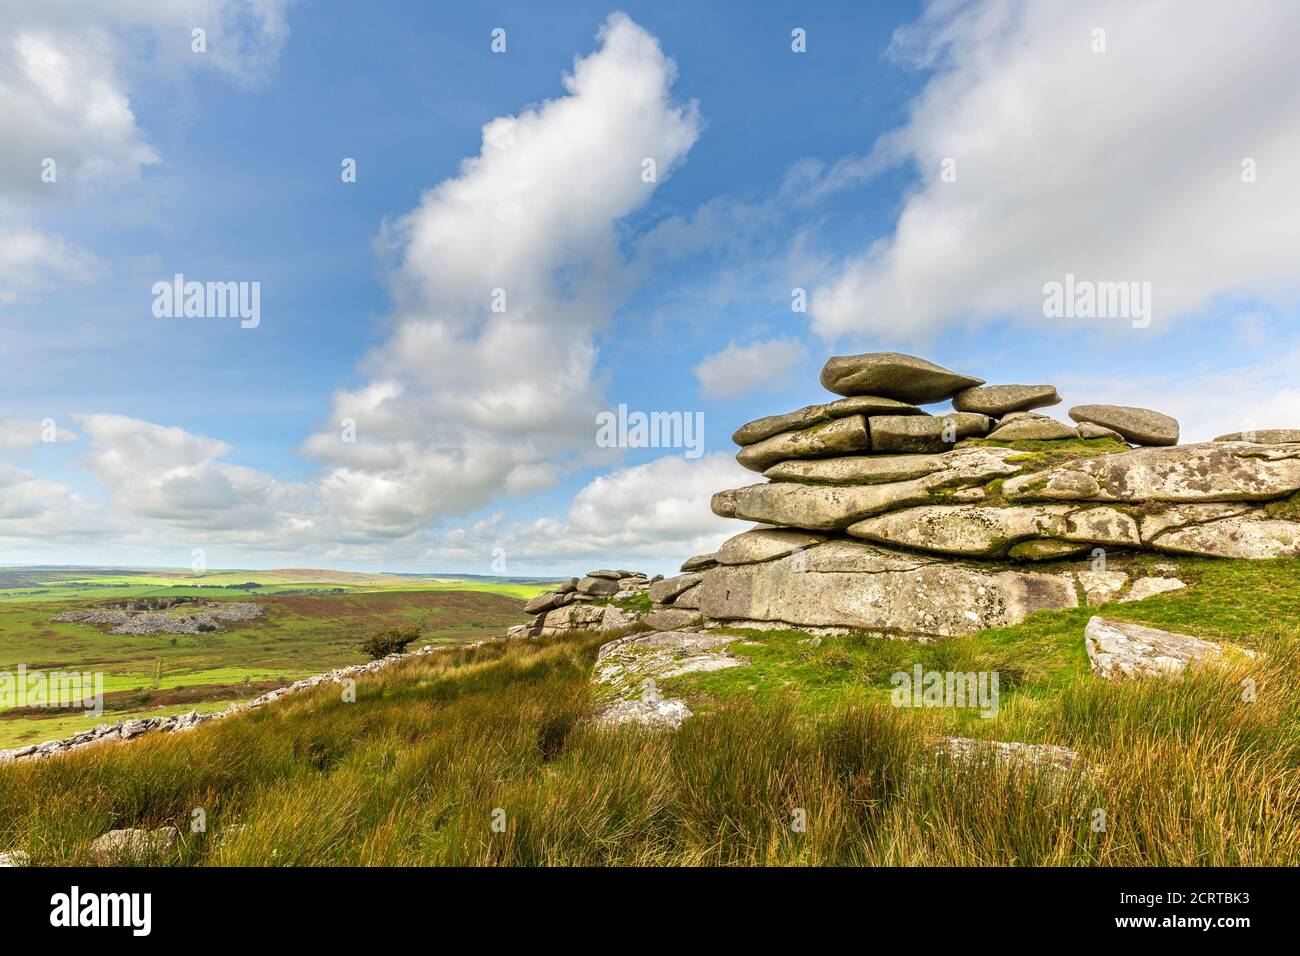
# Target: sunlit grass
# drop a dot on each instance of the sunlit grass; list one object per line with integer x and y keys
{"x": 435, "y": 750}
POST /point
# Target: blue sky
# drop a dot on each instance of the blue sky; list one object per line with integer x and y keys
{"x": 777, "y": 170}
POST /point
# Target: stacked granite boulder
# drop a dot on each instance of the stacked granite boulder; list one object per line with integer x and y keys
{"x": 584, "y": 604}
{"x": 876, "y": 514}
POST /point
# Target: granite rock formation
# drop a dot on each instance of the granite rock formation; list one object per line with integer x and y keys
{"x": 921, "y": 525}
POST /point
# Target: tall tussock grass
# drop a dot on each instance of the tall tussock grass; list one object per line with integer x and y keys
{"x": 486, "y": 756}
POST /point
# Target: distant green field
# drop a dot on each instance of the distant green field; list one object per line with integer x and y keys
{"x": 313, "y": 622}
{"x": 109, "y": 584}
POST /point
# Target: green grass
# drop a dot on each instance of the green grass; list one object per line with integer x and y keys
{"x": 433, "y": 751}
{"x": 1251, "y": 604}
{"x": 1186, "y": 771}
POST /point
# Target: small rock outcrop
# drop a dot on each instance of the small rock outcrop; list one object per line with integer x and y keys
{"x": 1119, "y": 650}
{"x": 138, "y": 617}
{"x": 628, "y": 671}
{"x": 601, "y": 600}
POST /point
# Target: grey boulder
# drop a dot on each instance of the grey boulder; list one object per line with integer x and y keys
{"x": 765, "y": 544}
{"x": 1033, "y": 428}
{"x": 1142, "y": 426}
{"x": 905, "y": 378}
{"x": 999, "y": 400}
{"x": 1242, "y": 536}
{"x": 663, "y": 592}
{"x": 1119, "y": 650}
{"x": 544, "y": 602}
{"x": 134, "y": 844}
{"x": 597, "y": 587}
{"x": 834, "y": 507}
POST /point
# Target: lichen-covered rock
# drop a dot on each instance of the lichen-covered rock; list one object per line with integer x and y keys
{"x": 843, "y": 435}
{"x": 857, "y": 469}
{"x": 627, "y": 673}
{"x": 905, "y": 378}
{"x": 723, "y": 503}
{"x": 1100, "y": 586}
{"x": 896, "y": 433}
{"x": 1103, "y": 587}
{"x": 699, "y": 562}
{"x": 688, "y": 600}
{"x": 1209, "y": 472}
{"x": 598, "y": 586}
{"x": 850, "y": 584}
{"x": 1144, "y": 588}
{"x": 763, "y": 428}
{"x": 999, "y": 400}
{"x": 977, "y": 531}
{"x": 663, "y": 592}
{"x": 835, "y": 507}
{"x": 1159, "y": 520}
{"x": 1118, "y": 650}
{"x": 1035, "y": 428}
{"x": 674, "y": 618}
{"x": 1244, "y": 536}
{"x": 1088, "y": 430}
{"x": 544, "y": 602}
{"x": 1265, "y": 436}
{"x": 1045, "y": 549}
{"x": 572, "y": 617}
{"x": 1142, "y": 426}
{"x": 666, "y": 714}
{"x": 765, "y": 544}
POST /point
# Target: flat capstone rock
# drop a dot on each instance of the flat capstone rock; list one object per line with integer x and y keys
{"x": 904, "y": 378}
{"x": 1142, "y": 426}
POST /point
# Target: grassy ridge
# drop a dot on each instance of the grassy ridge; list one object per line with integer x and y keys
{"x": 417, "y": 769}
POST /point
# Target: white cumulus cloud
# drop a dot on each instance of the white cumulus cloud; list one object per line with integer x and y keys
{"x": 1122, "y": 165}
{"x": 504, "y": 274}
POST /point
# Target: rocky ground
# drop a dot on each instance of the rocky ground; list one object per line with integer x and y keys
{"x": 130, "y": 619}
